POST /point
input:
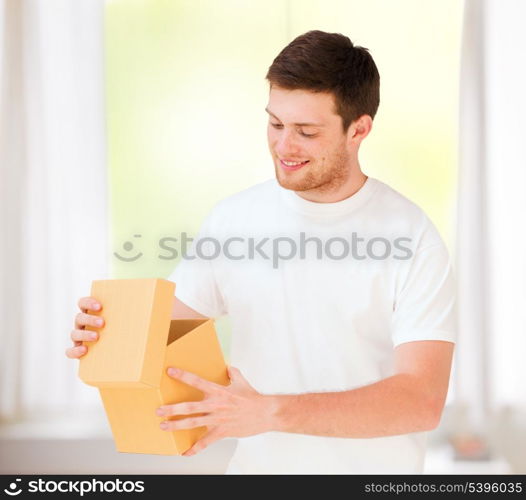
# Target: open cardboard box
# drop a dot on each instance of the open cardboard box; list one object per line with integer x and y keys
{"x": 128, "y": 363}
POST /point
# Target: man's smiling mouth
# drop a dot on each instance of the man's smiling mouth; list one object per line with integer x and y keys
{"x": 290, "y": 165}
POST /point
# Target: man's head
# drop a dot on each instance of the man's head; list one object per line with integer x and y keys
{"x": 323, "y": 80}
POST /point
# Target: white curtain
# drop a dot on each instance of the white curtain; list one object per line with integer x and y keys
{"x": 53, "y": 195}
{"x": 491, "y": 244}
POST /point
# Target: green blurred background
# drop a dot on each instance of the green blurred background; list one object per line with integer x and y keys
{"x": 186, "y": 95}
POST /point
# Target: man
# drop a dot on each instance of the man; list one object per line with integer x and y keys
{"x": 342, "y": 354}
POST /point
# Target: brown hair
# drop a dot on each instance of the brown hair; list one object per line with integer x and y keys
{"x": 329, "y": 62}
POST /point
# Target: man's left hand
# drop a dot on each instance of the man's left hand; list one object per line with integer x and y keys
{"x": 235, "y": 410}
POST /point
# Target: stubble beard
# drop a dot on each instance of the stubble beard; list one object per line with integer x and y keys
{"x": 329, "y": 175}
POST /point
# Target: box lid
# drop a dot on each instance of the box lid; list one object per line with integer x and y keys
{"x": 132, "y": 343}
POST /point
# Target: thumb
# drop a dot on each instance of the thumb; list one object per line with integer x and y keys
{"x": 233, "y": 373}
{"x": 238, "y": 381}
{"x": 236, "y": 377}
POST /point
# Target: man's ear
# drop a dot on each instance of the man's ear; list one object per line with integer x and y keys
{"x": 359, "y": 129}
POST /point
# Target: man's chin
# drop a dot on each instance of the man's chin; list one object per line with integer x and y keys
{"x": 288, "y": 184}
{"x": 292, "y": 182}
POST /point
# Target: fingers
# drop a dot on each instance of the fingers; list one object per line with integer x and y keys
{"x": 193, "y": 380}
{"x": 82, "y": 320}
{"x": 89, "y": 304}
{"x": 83, "y": 336}
{"x": 209, "y": 438}
{"x": 76, "y": 352}
{"x": 188, "y": 408}
{"x": 186, "y": 423}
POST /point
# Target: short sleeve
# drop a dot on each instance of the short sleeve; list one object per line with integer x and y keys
{"x": 425, "y": 305}
{"x": 194, "y": 277}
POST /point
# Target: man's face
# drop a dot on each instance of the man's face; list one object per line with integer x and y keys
{"x": 306, "y": 141}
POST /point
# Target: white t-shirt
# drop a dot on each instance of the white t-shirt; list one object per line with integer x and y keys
{"x": 326, "y": 316}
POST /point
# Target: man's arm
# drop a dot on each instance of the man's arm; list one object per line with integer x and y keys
{"x": 409, "y": 401}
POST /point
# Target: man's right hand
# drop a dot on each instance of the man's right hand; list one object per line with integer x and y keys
{"x": 83, "y": 319}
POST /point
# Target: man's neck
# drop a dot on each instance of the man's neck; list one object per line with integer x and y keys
{"x": 353, "y": 184}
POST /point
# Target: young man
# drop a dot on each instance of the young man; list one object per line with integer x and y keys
{"x": 343, "y": 340}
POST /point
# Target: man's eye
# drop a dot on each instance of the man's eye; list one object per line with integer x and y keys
{"x": 307, "y": 135}
{"x": 276, "y": 125}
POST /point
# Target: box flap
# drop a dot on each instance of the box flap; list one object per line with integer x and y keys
{"x": 131, "y": 346}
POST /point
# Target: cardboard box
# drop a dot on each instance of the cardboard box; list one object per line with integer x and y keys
{"x": 128, "y": 363}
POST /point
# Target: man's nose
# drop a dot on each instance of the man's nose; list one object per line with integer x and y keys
{"x": 287, "y": 144}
